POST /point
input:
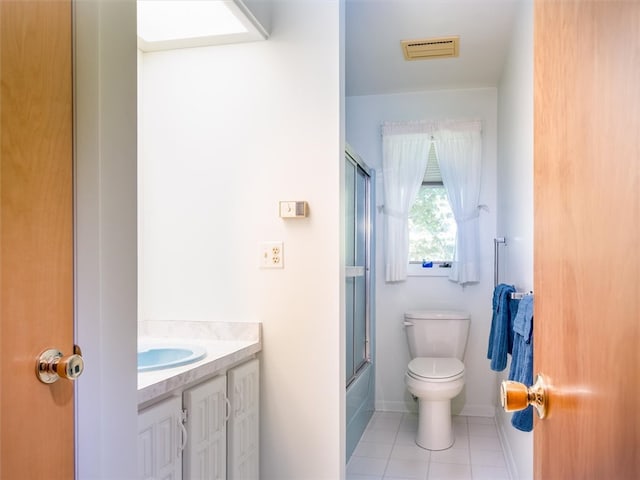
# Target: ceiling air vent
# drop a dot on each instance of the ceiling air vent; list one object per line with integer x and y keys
{"x": 442, "y": 47}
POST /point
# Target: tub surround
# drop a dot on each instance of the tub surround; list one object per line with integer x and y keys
{"x": 227, "y": 344}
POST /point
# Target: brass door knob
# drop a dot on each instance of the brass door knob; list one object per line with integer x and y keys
{"x": 517, "y": 396}
{"x": 52, "y": 365}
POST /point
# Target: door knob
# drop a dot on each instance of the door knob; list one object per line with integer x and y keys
{"x": 52, "y": 364}
{"x": 517, "y": 396}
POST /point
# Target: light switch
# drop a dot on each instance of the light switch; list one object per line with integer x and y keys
{"x": 293, "y": 209}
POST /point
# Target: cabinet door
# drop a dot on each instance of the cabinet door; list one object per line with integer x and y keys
{"x": 244, "y": 395}
{"x": 159, "y": 441}
{"x": 205, "y": 455}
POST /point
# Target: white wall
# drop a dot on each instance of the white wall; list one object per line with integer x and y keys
{"x": 515, "y": 199}
{"x": 226, "y": 132}
{"x": 364, "y": 116}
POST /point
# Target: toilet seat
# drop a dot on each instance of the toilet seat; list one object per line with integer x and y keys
{"x": 436, "y": 369}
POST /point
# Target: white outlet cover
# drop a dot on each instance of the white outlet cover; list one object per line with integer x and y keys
{"x": 272, "y": 255}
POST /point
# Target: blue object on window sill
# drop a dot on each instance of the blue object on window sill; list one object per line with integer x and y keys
{"x": 426, "y": 264}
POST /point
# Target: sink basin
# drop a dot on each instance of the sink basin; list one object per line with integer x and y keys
{"x": 162, "y": 356}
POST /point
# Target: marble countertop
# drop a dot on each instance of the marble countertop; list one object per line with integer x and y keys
{"x": 225, "y": 349}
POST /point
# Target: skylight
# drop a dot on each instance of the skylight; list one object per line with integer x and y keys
{"x": 166, "y": 24}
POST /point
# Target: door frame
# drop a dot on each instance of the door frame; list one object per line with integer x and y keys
{"x": 105, "y": 177}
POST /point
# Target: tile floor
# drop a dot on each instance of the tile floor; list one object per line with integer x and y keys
{"x": 387, "y": 451}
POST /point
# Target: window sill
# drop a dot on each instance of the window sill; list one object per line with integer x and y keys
{"x": 417, "y": 270}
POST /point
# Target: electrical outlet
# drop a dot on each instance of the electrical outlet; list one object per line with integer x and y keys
{"x": 271, "y": 255}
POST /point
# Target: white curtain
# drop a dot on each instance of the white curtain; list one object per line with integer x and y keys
{"x": 459, "y": 151}
{"x": 405, "y": 149}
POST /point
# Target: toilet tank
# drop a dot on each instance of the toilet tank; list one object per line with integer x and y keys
{"x": 437, "y": 333}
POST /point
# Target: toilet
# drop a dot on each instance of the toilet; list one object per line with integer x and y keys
{"x": 435, "y": 375}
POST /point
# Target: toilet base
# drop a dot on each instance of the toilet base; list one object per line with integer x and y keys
{"x": 434, "y": 424}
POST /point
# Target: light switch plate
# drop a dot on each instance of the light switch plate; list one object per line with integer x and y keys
{"x": 293, "y": 209}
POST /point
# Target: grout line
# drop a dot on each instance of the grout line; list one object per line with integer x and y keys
{"x": 469, "y": 448}
{"x": 393, "y": 445}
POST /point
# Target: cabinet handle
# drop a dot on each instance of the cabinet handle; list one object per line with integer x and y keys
{"x": 228, "y": 412}
{"x": 185, "y": 436}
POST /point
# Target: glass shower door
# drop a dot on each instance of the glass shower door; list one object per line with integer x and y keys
{"x": 357, "y": 257}
{"x": 359, "y": 288}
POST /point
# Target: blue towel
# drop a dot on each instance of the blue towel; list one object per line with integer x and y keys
{"x": 522, "y": 358}
{"x": 513, "y": 310}
{"x": 499, "y": 336}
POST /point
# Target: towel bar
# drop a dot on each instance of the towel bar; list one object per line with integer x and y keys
{"x": 496, "y": 263}
{"x": 520, "y": 295}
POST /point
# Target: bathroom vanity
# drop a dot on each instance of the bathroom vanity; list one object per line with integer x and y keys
{"x": 201, "y": 420}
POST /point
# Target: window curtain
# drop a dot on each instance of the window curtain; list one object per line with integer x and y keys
{"x": 459, "y": 151}
{"x": 405, "y": 149}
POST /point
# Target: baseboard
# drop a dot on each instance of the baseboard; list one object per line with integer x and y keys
{"x": 395, "y": 407}
{"x": 467, "y": 410}
{"x": 506, "y": 447}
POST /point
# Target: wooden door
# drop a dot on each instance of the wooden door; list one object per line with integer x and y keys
{"x": 587, "y": 237}
{"x": 36, "y": 236}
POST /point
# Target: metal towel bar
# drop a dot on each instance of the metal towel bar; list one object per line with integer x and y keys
{"x": 520, "y": 295}
{"x": 496, "y": 267}
{"x": 496, "y": 263}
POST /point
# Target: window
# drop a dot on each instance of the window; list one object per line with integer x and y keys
{"x": 432, "y": 226}
{"x": 170, "y": 24}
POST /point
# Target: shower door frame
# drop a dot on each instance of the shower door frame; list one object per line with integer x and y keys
{"x": 352, "y": 157}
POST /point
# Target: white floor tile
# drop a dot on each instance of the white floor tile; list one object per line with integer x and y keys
{"x": 489, "y": 473}
{"x": 378, "y": 436}
{"x": 384, "y": 423}
{"x": 461, "y": 441}
{"x": 416, "y": 469}
{"x": 387, "y": 451}
{"x": 373, "y": 450}
{"x": 381, "y": 414}
{"x": 451, "y": 455}
{"x": 482, "y": 430}
{"x": 459, "y": 419}
{"x": 460, "y": 429}
{"x": 488, "y": 458}
{"x": 406, "y": 437}
{"x": 355, "y": 476}
{"x": 485, "y": 443}
{"x": 449, "y": 471}
{"x": 410, "y": 452}
{"x": 409, "y": 422}
{"x": 366, "y": 466}
{"x": 482, "y": 420}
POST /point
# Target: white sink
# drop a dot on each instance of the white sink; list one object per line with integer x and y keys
{"x": 159, "y": 357}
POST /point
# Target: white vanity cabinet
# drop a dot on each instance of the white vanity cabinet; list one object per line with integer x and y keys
{"x": 243, "y": 429}
{"x": 205, "y": 454}
{"x": 211, "y": 431}
{"x": 160, "y": 440}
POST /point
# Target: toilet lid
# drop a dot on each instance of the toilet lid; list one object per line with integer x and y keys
{"x": 432, "y": 367}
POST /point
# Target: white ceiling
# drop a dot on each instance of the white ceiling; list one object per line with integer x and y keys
{"x": 374, "y": 28}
